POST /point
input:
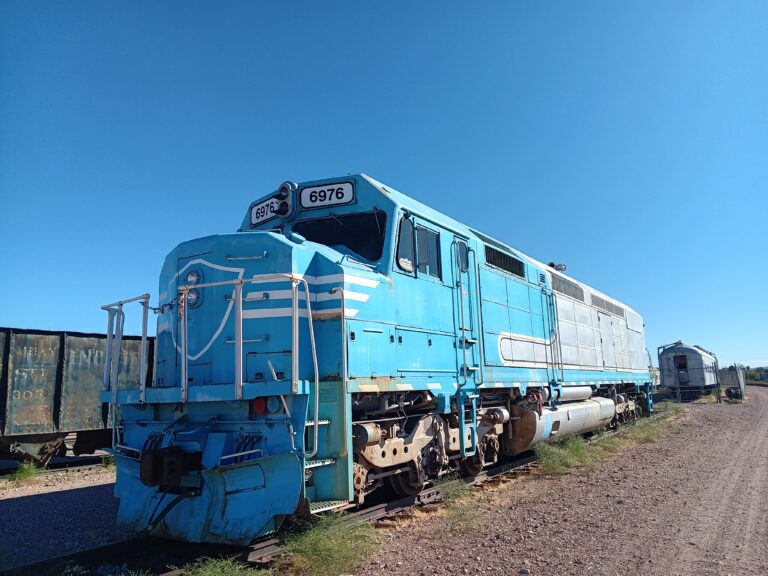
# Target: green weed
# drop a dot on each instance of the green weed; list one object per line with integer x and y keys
{"x": 328, "y": 548}
{"x": 24, "y": 473}
{"x": 220, "y": 567}
{"x": 559, "y": 457}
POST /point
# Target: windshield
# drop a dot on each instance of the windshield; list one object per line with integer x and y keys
{"x": 363, "y": 234}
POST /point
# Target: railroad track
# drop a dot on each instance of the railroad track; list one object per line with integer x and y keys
{"x": 156, "y": 555}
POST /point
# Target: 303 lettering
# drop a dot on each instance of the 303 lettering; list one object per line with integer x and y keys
{"x": 38, "y": 394}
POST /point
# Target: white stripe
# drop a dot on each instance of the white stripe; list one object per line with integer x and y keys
{"x": 250, "y": 314}
{"x": 272, "y": 295}
{"x": 257, "y": 295}
{"x": 356, "y": 296}
{"x": 315, "y": 280}
{"x": 434, "y": 386}
{"x": 346, "y": 278}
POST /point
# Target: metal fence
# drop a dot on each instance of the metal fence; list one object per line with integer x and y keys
{"x": 732, "y": 380}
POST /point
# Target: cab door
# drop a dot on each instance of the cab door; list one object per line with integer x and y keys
{"x": 465, "y": 306}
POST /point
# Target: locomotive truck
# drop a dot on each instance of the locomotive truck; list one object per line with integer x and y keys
{"x": 345, "y": 338}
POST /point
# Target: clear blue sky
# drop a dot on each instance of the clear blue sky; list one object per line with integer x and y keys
{"x": 626, "y": 139}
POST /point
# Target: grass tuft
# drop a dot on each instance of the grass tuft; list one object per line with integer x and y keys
{"x": 73, "y": 570}
{"x": 328, "y": 548}
{"x": 24, "y": 473}
{"x": 452, "y": 488}
{"x": 108, "y": 461}
{"x": 220, "y": 567}
{"x": 559, "y": 457}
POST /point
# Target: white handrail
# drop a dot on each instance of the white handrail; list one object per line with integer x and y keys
{"x": 316, "y": 430}
{"x": 238, "y": 341}
{"x": 129, "y": 300}
{"x": 295, "y": 279}
{"x": 344, "y": 368}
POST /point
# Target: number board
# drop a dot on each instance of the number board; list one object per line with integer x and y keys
{"x": 334, "y": 194}
{"x": 264, "y": 211}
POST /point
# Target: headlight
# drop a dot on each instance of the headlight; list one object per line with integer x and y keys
{"x": 193, "y": 297}
{"x": 193, "y": 277}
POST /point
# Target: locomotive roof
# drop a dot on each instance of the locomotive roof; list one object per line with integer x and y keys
{"x": 418, "y": 207}
{"x": 422, "y": 210}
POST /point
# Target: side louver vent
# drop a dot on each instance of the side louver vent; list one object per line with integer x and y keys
{"x": 567, "y": 287}
{"x": 607, "y": 306}
{"x": 504, "y": 261}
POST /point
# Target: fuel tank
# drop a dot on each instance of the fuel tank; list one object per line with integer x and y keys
{"x": 527, "y": 427}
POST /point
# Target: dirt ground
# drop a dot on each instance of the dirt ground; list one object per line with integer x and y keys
{"x": 693, "y": 503}
{"x": 56, "y": 514}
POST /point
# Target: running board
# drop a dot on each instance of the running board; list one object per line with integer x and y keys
{"x": 324, "y": 505}
{"x": 308, "y": 464}
{"x": 311, "y": 423}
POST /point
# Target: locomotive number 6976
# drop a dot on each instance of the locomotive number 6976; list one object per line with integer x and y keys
{"x": 330, "y": 195}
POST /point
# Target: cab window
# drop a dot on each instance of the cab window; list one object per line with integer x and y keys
{"x": 428, "y": 251}
{"x": 405, "y": 248}
{"x": 361, "y": 234}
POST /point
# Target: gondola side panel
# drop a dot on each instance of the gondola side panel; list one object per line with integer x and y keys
{"x": 32, "y": 375}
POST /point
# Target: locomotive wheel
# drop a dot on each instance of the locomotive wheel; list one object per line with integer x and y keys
{"x": 472, "y": 466}
{"x": 404, "y": 484}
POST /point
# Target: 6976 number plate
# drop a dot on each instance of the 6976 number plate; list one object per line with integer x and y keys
{"x": 264, "y": 211}
{"x": 328, "y": 195}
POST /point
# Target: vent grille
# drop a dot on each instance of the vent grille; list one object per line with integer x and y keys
{"x": 567, "y": 287}
{"x": 607, "y": 306}
{"x": 542, "y": 279}
{"x": 504, "y": 261}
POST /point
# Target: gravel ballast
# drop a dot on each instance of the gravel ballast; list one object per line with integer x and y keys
{"x": 695, "y": 502}
{"x": 57, "y": 514}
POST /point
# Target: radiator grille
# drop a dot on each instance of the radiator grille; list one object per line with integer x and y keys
{"x": 504, "y": 261}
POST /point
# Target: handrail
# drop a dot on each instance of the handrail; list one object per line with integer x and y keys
{"x": 462, "y": 327}
{"x": 113, "y": 347}
{"x": 239, "y": 340}
{"x": 344, "y": 367}
{"x": 238, "y": 283}
{"x": 183, "y": 337}
{"x": 478, "y": 299}
{"x": 119, "y": 303}
{"x": 314, "y": 362}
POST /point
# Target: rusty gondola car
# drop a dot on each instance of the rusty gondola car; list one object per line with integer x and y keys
{"x": 49, "y": 392}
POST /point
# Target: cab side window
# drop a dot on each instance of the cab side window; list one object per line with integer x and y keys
{"x": 428, "y": 252}
{"x": 405, "y": 248}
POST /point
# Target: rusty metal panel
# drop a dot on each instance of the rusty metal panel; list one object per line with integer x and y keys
{"x": 83, "y": 380}
{"x": 3, "y": 379}
{"x": 130, "y": 363}
{"x": 32, "y": 375}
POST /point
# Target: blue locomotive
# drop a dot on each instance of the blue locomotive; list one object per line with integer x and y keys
{"x": 345, "y": 338}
